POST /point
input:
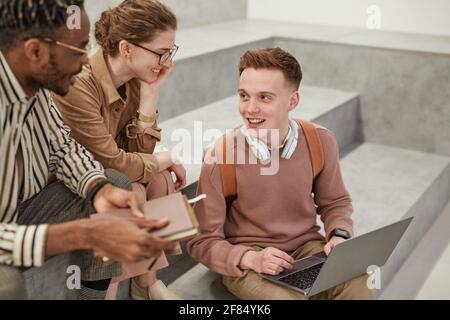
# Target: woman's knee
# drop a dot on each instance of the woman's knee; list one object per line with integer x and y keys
{"x": 140, "y": 192}
{"x": 162, "y": 185}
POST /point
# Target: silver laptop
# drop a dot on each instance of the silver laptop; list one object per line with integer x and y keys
{"x": 348, "y": 260}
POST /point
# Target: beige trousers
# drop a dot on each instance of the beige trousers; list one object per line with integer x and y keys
{"x": 254, "y": 287}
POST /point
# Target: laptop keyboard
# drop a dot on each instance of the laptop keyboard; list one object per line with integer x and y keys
{"x": 303, "y": 279}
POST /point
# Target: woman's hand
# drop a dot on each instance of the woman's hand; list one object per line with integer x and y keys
{"x": 180, "y": 173}
{"x": 166, "y": 162}
{"x": 149, "y": 92}
{"x": 162, "y": 77}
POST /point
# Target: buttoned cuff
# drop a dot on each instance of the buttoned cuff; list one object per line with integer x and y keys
{"x": 234, "y": 259}
{"x": 151, "y": 167}
{"x": 133, "y": 130}
{"x": 87, "y": 179}
{"x": 29, "y": 246}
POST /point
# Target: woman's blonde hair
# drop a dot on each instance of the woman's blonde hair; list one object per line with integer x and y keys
{"x": 136, "y": 21}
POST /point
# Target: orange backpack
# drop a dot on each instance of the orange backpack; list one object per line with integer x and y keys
{"x": 228, "y": 171}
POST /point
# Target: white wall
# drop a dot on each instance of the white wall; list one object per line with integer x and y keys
{"x": 95, "y": 7}
{"x": 190, "y": 13}
{"x": 416, "y": 16}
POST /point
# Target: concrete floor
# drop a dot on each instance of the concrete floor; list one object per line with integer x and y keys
{"x": 437, "y": 285}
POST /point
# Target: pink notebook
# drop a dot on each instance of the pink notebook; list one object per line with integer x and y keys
{"x": 183, "y": 223}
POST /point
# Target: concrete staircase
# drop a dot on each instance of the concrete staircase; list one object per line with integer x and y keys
{"x": 385, "y": 95}
{"x": 387, "y": 183}
{"x": 363, "y": 86}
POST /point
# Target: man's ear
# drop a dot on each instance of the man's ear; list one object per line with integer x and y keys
{"x": 34, "y": 50}
{"x": 124, "y": 48}
{"x": 295, "y": 100}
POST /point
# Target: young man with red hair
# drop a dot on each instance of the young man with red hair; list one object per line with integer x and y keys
{"x": 271, "y": 219}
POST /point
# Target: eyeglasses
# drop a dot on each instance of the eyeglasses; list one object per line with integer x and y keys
{"x": 62, "y": 44}
{"x": 164, "y": 56}
{"x": 68, "y": 46}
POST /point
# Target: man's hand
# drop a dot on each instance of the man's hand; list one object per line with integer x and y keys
{"x": 270, "y": 261}
{"x": 180, "y": 173}
{"x": 110, "y": 197}
{"x": 334, "y": 241}
{"x": 126, "y": 240}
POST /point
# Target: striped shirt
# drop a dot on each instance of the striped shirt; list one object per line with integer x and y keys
{"x": 34, "y": 141}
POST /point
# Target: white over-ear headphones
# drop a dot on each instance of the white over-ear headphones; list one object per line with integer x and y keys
{"x": 262, "y": 151}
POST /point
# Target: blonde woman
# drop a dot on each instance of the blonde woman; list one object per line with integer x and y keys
{"x": 112, "y": 108}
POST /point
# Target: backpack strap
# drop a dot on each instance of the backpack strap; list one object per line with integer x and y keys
{"x": 227, "y": 171}
{"x": 314, "y": 146}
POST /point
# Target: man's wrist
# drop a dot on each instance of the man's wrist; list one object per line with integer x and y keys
{"x": 247, "y": 260}
{"x": 84, "y": 231}
{"x": 341, "y": 233}
{"x": 93, "y": 184}
{"x": 68, "y": 236}
{"x": 94, "y": 189}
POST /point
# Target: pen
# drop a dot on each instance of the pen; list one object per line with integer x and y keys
{"x": 152, "y": 264}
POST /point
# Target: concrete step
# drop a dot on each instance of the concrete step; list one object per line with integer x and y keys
{"x": 436, "y": 285}
{"x": 338, "y": 35}
{"x": 424, "y": 275}
{"x": 332, "y": 57}
{"x": 387, "y": 184}
{"x": 334, "y": 109}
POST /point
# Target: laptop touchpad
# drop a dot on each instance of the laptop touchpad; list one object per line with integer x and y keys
{"x": 302, "y": 264}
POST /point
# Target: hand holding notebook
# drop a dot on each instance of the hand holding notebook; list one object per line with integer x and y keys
{"x": 182, "y": 221}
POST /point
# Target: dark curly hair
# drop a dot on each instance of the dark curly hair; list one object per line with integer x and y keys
{"x": 21, "y": 19}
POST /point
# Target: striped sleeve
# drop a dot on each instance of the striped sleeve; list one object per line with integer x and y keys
{"x": 22, "y": 246}
{"x": 72, "y": 163}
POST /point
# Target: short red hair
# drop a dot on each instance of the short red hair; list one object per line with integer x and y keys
{"x": 273, "y": 58}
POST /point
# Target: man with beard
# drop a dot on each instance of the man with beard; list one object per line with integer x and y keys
{"x": 38, "y": 218}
